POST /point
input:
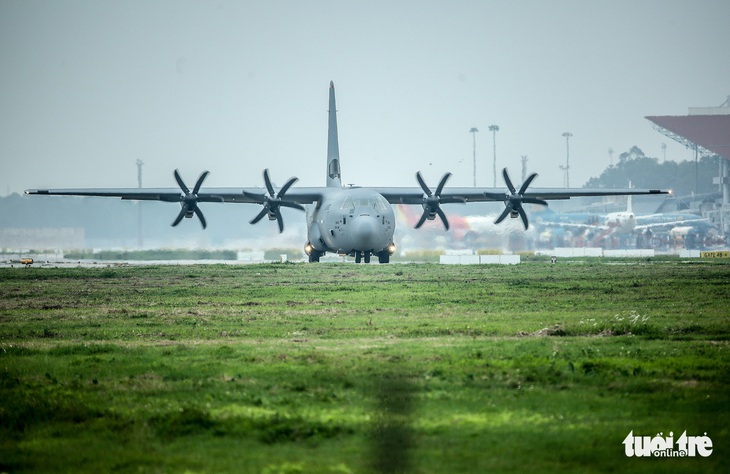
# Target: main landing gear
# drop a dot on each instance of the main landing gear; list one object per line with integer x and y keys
{"x": 383, "y": 257}
{"x": 312, "y": 253}
{"x": 360, "y": 255}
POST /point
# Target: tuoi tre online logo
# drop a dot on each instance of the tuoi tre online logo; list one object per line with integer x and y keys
{"x": 667, "y": 447}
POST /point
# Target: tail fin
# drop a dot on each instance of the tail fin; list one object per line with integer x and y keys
{"x": 333, "y": 146}
{"x": 629, "y": 207}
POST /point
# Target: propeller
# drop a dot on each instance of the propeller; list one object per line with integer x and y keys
{"x": 433, "y": 200}
{"x": 273, "y": 201}
{"x": 190, "y": 201}
{"x": 513, "y": 201}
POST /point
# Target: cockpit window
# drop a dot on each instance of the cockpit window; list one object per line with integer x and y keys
{"x": 371, "y": 202}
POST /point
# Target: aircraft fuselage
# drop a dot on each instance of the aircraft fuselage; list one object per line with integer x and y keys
{"x": 351, "y": 221}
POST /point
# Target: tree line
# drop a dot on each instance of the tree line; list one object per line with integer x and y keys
{"x": 683, "y": 178}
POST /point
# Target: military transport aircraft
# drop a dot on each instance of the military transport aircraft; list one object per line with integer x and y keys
{"x": 349, "y": 220}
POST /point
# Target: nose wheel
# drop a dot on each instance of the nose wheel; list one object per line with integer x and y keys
{"x": 360, "y": 256}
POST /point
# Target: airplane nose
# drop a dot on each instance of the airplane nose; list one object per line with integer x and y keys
{"x": 364, "y": 233}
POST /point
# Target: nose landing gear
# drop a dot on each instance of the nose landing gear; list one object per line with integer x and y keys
{"x": 360, "y": 256}
{"x": 383, "y": 255}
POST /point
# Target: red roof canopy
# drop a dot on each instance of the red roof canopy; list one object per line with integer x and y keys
{"x": 711, "y": 132}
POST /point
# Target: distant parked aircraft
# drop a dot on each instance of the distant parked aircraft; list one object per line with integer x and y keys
{"x": 650, "y": 230}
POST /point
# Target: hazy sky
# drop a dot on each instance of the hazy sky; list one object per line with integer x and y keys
{"x": 89, "y": 87}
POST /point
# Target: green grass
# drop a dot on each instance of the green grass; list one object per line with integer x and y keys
{"x": 345, "y": 368}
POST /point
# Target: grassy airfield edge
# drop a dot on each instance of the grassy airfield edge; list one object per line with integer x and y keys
{"x": 307, "y": 368}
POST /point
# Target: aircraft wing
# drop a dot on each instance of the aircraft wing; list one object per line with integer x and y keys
{"x": 309, "y": 195}
{"x": 513, "y": 199}
{"x": 571, "y": 225}
{"x": 413, "y": 195}
{"x": 670, "y": 224}
{"x": 234, "y": 195}
{"x": 189, "y": 199}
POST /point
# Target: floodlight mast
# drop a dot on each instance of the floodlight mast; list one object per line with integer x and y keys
{"x": 567, "y": 136}
{"x": 494, "y": 129}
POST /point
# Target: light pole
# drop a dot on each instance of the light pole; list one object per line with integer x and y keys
{"x": 473, "y": 132}
{"x": 524, "y": 168}
{"x": 567, "y": 136}
{"x": 139, "y": 164}
{"x": 494, "y": 129}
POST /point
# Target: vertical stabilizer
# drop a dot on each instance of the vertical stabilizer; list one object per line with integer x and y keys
{"x": 333, "y": 147}
{"x": 629, "y": 206}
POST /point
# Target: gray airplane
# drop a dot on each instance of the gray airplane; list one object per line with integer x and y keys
{"x": 349, "y": 220}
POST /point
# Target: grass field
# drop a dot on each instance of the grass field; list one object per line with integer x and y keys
{"x": 343, "y": 368}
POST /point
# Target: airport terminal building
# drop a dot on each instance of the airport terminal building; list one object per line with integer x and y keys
{"x": 706, "y": 130}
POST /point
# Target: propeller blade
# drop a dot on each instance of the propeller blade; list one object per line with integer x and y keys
{"x": 199, "y": 213}
{"x": 442, "y": 183}
{"x": 526, "y": 184}
{"x": 508, "y": 181}
{"x": 523, "y": 215}
{"x": 180, "y": 182}
{"x": 180, "y": 216}
{"x": 269, "y": 186}
{"x": 423, "y": 218}
{"x": 286, "y": 187}
{"x": 260, "y": 215}
{"x": 423, "y": 184}
{"x": 443, "y": 218}
{"x": 199, "y": 183}
{"x": 504, "y": 214}
{"x": 279, "y": 220}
